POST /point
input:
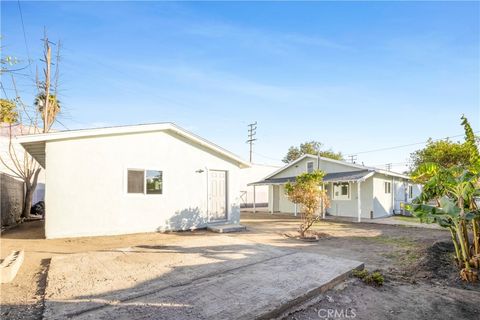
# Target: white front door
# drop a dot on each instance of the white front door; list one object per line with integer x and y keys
{"x": 218, "y": 195}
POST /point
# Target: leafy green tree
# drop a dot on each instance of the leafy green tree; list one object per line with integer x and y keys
{"x": 446, "y": 153}
{"x": 8, "y": 111}
{"x": 310, "y": 147}
{"x": 450, "y": 173}
{"x": 471, "y": 143}
{"x": 306, "y": 192}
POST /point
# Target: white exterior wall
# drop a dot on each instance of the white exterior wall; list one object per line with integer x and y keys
{"x": 253, "y": 174}
{"x": 349, "y": 208}
{"x": 382, "y": 202}
{"x": 86, "y": 193}
{"x": 285, "y": 205}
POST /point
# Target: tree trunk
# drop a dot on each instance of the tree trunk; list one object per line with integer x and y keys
{"x": 27, "y": 201}
{"x": 29, "y": 190}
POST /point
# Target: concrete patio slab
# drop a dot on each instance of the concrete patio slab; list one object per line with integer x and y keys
{"x": 226, "y": 228}
{"x": 204, "y": 277}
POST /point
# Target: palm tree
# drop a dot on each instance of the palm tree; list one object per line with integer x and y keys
{"x": 54, "y": 107}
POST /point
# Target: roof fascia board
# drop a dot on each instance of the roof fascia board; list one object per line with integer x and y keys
{"x": 89, "y": 133}
{"x": 288, "y": 165}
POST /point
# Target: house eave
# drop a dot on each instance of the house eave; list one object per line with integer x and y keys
{"x": 35, "y": 144}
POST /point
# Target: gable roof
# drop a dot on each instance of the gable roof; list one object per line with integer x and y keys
{"x": 352, "y": 165}
{"x": 349, "y": 176}
{"x": 35, "y": 144}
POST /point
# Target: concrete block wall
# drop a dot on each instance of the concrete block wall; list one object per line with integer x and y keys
{"x": 11, "y": 199}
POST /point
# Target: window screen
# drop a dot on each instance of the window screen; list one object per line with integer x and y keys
{"x": 341, "y": 191}
{"x": 154, "y": 182}
{"x": 388, "y": 187}
{"x": 310, "y": 166}
{"x": 135, "y": 181}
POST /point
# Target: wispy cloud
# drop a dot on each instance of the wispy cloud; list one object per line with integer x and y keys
{"x": 275, "y": 41}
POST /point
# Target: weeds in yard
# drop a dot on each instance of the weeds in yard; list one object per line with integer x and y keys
{"x": 375, "y": 278}
{"x": 401, "y": 242}
{"x": 408, "y": 219}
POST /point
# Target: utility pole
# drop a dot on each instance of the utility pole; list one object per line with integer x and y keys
{"x": 252, "y": 131}
{"x": 388, "y": 166}
{"x": 353, "y": 158}
{"x": 46, "y": 71}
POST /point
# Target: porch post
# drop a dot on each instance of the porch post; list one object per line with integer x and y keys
{"x": 359, "y": 201}
{"x": 254, "y": 200}
{"x": 270, "y": 197}
{"x": 323, "y": 203}
{"x": 393, "y": 195}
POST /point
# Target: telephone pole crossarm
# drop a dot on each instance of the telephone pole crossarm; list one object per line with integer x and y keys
{"x": 252, "y": 131}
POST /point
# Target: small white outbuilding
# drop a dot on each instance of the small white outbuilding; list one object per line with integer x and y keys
{"x": 130, "y": 179}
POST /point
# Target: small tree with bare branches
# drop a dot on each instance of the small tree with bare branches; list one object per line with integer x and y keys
{"x": 22, "y": 119}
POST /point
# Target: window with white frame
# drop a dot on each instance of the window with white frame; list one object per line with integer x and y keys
{"x": 309, "y": 166}
{"x": 410, "y": 192}
{"x": 388, "y": 187}
{"x": 144, "y": 181}
{"x": 341, "y": 191}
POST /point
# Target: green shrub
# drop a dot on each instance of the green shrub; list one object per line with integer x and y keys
{"x": 374, "y": 278}
{"x": 361, "y": 274}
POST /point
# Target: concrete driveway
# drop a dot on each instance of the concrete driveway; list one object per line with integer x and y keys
{"x": 202, "y": 277}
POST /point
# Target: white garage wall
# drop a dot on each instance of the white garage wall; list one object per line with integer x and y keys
{"x": 253, "y": 174}
{"x": 86, "y": 185}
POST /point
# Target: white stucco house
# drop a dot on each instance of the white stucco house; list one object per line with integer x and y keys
{"x": 354, "y": 190}
{"x": 130, "y": 179}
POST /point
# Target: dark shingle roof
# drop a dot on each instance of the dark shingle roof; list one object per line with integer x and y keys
{"x": 329, "y": 177}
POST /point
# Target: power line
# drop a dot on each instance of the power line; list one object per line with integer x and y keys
{"x": 353, "y": 158}
{"x": 406, "y": 145}
{"x": 25, "y": 38}
{"x": 267, "y": 157}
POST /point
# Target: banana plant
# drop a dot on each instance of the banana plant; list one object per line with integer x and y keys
{"x": 449, "y": 198}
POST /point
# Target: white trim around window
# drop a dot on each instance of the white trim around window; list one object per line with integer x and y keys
{"x": 387, "y": 187}
{"x": 341, "y": 191}
{"x": 313, "y": 166}
{"x": 144, "y": 170}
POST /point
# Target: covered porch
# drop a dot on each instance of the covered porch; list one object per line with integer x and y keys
{"x": 350, "y": 194}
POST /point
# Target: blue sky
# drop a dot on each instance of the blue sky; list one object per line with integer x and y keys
{"x": 356, "y": 76}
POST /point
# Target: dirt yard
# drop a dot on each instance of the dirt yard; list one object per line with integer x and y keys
{"x": 420, "y": 281}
